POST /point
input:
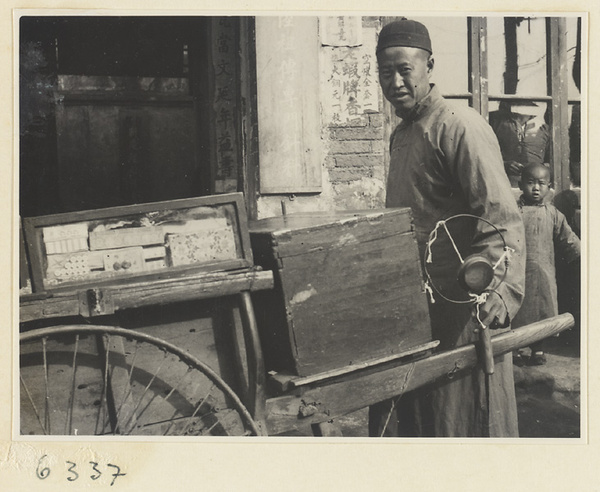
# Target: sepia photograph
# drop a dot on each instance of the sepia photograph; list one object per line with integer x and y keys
{"x": 268, "y": 246}
{"x": 300, "y": 225}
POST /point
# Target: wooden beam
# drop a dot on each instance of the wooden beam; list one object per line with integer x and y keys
{"x": 473, "y": 63}
{"x": 511, "y": 71}
{"x": 256, "y": 365}
{"x": 232, "y": 318}
{"x": 375, "y": 384}
{"x": 249, "y": 117}
{"x": 326, "y": 429}
{"x": 186, "y": 289}
{"x": 150, "y": 293}
{"x": 518, "y": 97}
{"x": 483, "y": 62}
{"x": 557, "y": 80}
{"x": 200, "y": 88}
{"x": 390, "y": 119}
{"x": 81, "y": 98}
{"x": 296, "y": 381}
{"x": 477, "y": 58}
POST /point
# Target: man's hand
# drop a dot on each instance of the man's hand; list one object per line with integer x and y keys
{"x": 492, "y": 309}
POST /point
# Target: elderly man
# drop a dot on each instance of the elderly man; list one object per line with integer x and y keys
{"x": 445, "y": 160}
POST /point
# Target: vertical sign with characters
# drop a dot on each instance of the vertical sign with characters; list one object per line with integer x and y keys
{"x": 224, "y": 103}
{"x": 351, "y": 83}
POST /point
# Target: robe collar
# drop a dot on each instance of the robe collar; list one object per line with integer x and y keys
{"x": 522, "y": 203}
{"x": 419, "y": 109}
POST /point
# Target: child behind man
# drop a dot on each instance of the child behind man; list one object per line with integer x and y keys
{"x": 546, "y": 231}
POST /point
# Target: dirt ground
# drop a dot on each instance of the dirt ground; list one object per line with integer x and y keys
{"x": 548, "y": 396}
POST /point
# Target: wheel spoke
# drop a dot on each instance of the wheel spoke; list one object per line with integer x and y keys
{"x": 215, "y": 413}
{"x": 133, "y": 418}
{"x": 128, "y": 387}
{"x": 202, "y": 402}
{"x": 46, "y": 388}
{"x": 35, "y": 410}
{"x": 141, "y": 412}
{"x": 133, "y": 359}
{"x": 173, "y": 389}
{"x": 179, "y": 384}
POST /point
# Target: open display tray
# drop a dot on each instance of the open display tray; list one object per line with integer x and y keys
{"x": 125, "y": 244}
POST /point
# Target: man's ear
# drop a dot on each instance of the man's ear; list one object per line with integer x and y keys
{"x": 430, "y": 64}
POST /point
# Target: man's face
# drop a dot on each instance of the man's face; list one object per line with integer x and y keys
{"x": 535, "y": 185}
{"x": 404, "y": 74}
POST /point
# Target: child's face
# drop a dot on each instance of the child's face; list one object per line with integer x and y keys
{"x": 535, "y": 185}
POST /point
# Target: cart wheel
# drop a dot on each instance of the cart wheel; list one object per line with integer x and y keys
{"x": 103, "y": 380}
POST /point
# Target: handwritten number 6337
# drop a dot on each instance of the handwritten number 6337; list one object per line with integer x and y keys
{"x": 43, "y": 472}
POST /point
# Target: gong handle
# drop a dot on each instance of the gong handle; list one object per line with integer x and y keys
{"x": 487, "y": 352}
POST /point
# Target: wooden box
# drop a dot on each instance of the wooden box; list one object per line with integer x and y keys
{"x": 150, "y": 241}
{"x": 348, "y": 289}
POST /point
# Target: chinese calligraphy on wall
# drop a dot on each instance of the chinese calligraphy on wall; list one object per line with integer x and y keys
{"x": 350, "y": 68}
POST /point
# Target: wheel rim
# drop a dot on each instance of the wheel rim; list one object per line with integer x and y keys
{"x": 133, "y": 389}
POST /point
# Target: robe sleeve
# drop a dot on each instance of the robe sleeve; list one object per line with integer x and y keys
{"x": 475, "y": 163}
{"x": 566, "y": 243}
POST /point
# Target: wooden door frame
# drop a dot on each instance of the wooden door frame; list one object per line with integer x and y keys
{"x": 249, "y": 161}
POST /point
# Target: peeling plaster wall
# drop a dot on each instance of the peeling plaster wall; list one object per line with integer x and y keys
{"x": 352, "y": 144}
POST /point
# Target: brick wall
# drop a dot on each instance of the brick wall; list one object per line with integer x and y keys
{"x": 355, "y": 147}
{"x": 355, "y": 163}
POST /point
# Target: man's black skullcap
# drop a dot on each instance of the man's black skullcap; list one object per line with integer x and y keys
{"x": 404, "y": 32}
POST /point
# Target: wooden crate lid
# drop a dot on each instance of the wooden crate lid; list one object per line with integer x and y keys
{"x": 306, "y": 221}
{"x": 306, "y": 233}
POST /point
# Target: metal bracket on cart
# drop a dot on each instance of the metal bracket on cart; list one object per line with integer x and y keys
{"x": 96, "y": 302}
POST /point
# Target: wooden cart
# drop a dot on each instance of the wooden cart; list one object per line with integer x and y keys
{"x": 289, "y": 374}
{"x": 347, "y": 323}
{"x": 282, "y": 404}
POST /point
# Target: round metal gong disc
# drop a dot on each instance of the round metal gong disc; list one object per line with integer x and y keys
{"x": 475, "y": 274}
